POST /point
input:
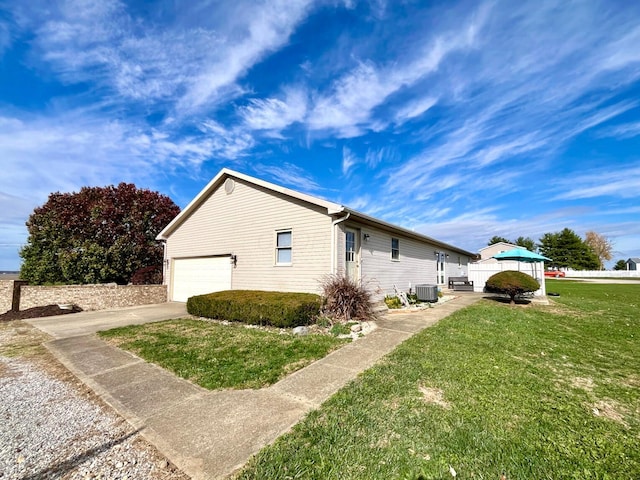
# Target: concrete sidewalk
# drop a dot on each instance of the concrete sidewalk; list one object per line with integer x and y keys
{"x": 211, "y": 434}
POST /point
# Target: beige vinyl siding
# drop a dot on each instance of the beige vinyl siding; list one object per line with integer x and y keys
{"x": 244, "y": 223}
{"x": 380, "y": 273}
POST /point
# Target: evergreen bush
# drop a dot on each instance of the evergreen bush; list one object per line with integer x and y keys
{"x": 511, "y": 283}
{"x": 255, "y": 307}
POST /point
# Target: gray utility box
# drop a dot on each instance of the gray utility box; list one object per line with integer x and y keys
{"x": 427, "y": 293}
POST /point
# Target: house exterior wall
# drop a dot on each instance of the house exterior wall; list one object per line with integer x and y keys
{"x": 488, "y": 252}
{"x": 244, "y": 223}
{"x": 416, "y": 265}
{"x": 457, "y": 265}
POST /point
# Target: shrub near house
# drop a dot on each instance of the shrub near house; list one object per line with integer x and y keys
{"x": 511, "y": 283}
{"x": 255, "y": 307}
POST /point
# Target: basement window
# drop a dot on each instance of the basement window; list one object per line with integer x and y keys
{"x": 395, "y": 249}
{"x": 283, "y": 247}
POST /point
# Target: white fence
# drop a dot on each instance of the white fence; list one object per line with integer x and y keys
{"x": 479, "y": 273}
{"x": 603, "y": 273}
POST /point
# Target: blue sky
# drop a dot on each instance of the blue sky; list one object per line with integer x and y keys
{"x": 460, "y": 120}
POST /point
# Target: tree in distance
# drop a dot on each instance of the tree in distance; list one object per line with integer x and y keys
{"x": 620, "y": 265}
{"x": 512, "y": 283}
{"x": 96, "y": 235}
{"x": 567, "y": 250}
{"x": 600, "y": 245}
{"x": 524, "y": 242}
{"x": 497, "y": 239}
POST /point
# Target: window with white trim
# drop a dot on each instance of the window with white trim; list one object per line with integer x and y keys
{"x": 283, "y": 247}
{"x": 395, "y": 249}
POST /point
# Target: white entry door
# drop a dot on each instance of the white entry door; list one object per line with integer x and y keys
{"x": 352, "y": 254}
{"x": 440, "y": 268}
{"x": 197, "y": 276}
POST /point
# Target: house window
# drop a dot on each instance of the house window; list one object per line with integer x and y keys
{"x": 283, "y": 247}
{"x": 459, "y": 261}
{"x": 395, "y": 249}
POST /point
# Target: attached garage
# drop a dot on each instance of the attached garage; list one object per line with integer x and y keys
{"x": 195, "y": 276}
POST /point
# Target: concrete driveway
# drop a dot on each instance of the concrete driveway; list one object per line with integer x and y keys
{"x": 84, "y": 323}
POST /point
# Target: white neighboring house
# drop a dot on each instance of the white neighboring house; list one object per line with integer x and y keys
{"x": 481, "y": 270}
{"x": 241, "y": 232}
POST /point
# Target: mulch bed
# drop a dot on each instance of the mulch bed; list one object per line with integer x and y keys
{"x": 37, "y": 312}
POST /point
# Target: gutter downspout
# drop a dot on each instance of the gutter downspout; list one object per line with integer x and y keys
{"x": 334, "y": 256}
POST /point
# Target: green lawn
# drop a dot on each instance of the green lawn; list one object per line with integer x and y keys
{"x": 530, "y": 392}
{"x": 218, "y": 356}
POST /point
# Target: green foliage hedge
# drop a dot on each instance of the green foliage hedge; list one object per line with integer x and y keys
{"x": 255, "y": 307}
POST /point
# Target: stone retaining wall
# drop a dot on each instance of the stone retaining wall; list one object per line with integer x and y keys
{"x": 6, "y": 295}
{"x": 87, "y": 297}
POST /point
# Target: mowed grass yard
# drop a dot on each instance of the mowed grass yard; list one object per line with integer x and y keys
{"x": 534, "y": 392}
{"x": 217, "y": 356}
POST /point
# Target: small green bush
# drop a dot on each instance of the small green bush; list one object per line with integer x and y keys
{"x": 341, "y": 328}
{"x": 254, "y": 307}
{"x": 511, "y": 283}
{"x": 392, "y": 302}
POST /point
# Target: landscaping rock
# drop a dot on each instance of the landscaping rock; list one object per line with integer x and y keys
{"x": 301, "y": 330}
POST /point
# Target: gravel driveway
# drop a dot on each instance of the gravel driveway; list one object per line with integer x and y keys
{"x": 52, "y": 426}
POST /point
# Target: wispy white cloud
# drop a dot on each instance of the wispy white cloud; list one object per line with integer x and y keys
{"x": 415, "y": 108}
{"x": 275, "y": 113}
{"x": 375, "y": 156}
{"x": 187, "y": 65}
{"x": 601, "y": 115}
{"x": 347, "y": 109}
{"x": 619, "y": 183}
{"x": 290, "y": 175}
{"x": 115, "y": 151}
{"x": 348, "y": 160}
{"x": 227, "y": 143}
{"x": 5, "y": 36}
{"x": 622, "y": 131}
{"x": 265, "y": 28}
{"x": 526, "y": 105}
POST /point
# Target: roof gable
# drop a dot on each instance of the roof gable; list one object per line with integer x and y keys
{"x": 218, "y": 181}
{"x": 507, "y": 246}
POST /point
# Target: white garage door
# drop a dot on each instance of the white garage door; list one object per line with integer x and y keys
{"x": 195, "y": 276}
